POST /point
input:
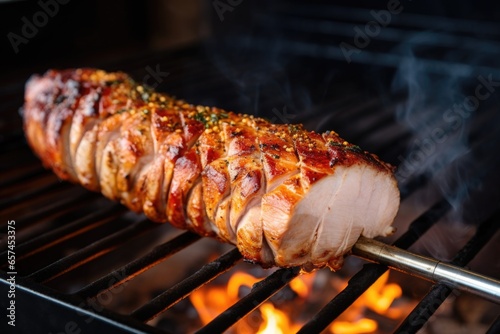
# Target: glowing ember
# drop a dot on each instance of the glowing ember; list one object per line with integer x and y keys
{"x": 361, "y": 326}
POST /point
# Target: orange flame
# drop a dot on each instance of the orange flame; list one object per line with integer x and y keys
{"x": 379, "y": 298}
{"x": 238, "y": 280}
{"x": 275, "y": 321}
{"x": 363, "y": 325}
{"x": 302, "y": 285}
{"x": 380, "y": 295}
{"x": 212, "y": 301}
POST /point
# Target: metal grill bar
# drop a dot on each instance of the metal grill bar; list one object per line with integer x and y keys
{"x": 68, "y": 201}
{"x": 261, "y": 291}
{"x": 206, "y": 274}
{"x": 439, "y": 292}
{"x": 138, "y": 266}
{"x": 53, "y": 310}
{"x": 34, "y": 192}
{"x": 65, "y": 232}
{"x": 32, "y": 217}
{"x": 21, "y": 160}
{"x": 32, "y": 173}
{"x": 364, "y": 278}
{"x": 357, "y": 285}
{"x": 95, "y": 250}
{"x": 422, "y": 224}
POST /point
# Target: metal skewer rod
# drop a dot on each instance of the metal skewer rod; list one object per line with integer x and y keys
{"x": 428, "y": 268}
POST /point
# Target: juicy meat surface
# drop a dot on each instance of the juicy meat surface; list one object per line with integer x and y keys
{"x": 283, "y": 195}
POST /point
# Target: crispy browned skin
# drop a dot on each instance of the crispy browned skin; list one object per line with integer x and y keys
{"x": 217, "y": 173}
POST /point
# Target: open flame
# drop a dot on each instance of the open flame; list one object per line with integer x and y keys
{"x": 378, "y": 298}
{"x": 363, "y": 325}
{"x": 210, "y": 301}
{"x": 381, "y": 295}
{"x": 275, "y": 321}
{"x": 213, "y": 301}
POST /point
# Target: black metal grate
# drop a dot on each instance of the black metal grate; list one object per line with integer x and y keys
{"x": 52, "y": 217}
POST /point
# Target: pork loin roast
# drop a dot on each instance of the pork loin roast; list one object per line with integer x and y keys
{"x": 283, "y": 195}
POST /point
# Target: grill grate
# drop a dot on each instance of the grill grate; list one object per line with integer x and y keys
{"x": 181, "y": 290}
{"x": 261, "y": 292}
{"x": 359, "y": 283}
{"x": 50, "y": 215}
{"x": 440, "y": 292}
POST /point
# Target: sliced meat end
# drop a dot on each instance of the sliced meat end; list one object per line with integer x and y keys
{"x": 319, "y": 227}
{"x": 356, "y": 200}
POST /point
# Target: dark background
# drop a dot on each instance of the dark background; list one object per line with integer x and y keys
{"x": 87, "y": 32}
{"x": 280, "y": 58}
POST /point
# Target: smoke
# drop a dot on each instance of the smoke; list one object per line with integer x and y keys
{"x": 251, "y": 49}
{"x": 450, "y": 115}
{"x": 450, "y": 81}
{"x": 267, "y": 81}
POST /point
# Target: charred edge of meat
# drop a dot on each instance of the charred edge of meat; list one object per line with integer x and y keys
{"x": 283, "y": 195}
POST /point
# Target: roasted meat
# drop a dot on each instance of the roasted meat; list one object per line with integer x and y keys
{"x": 283, "y": 195}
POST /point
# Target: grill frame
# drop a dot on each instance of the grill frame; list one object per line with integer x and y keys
{"x": 32, "y": 290}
